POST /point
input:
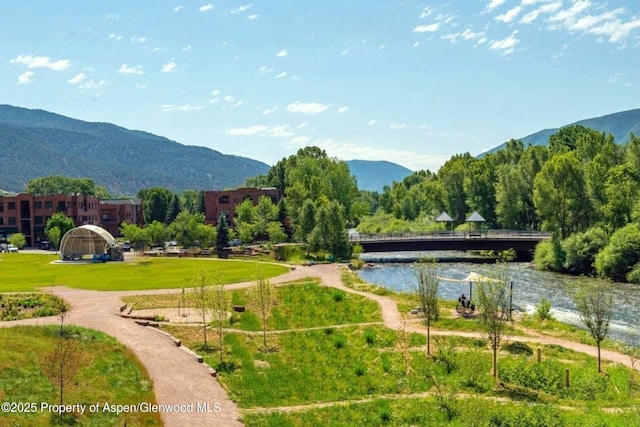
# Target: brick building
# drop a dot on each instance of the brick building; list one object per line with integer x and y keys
{"x": 28, "y": 214}
{"x": 225, "y": 202}
{"x": 116, "y": 211}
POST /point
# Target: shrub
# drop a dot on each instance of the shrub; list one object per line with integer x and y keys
{"x": 370, "y": 336}
{"x": 581, "y": 249}
{"x": 339, "y": 341}
{"x": 543, "y": 309}
{"x": 622, "y": 253}
{"x": 338, "y": 295}
{"x": 518, "y": 348}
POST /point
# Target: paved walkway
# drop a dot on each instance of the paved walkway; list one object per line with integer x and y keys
{"x": 179, "y": 379}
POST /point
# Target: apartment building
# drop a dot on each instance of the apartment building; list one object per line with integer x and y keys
{"x": 28, "y": 214}
{"x": 226, "y": 201}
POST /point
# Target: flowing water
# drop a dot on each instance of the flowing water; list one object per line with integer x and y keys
{"x": 529, "y": 286}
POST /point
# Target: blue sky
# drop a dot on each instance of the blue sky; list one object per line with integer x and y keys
{"x": 409, "y": 82}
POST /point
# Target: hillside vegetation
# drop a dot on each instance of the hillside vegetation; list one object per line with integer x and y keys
{"x": 36, "y": 143}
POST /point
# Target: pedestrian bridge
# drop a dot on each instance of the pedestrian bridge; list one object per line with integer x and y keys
{"x": 523, "y": 242}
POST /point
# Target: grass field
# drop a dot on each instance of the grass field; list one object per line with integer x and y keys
{"x": 28, "y": 272}
{"x": 109, "y": 373}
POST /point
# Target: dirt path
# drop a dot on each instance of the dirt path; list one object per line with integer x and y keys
{"x": 179, "y": 379}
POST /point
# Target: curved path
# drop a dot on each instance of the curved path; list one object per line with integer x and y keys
{"x": 179, "y": 379}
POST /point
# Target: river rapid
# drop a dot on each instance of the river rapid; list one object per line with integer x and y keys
{"x": 529, "y": 286}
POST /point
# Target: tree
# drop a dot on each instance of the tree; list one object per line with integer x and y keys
{"x": 54, "y": 235}
{"x": 621, "y": 254}
{"x": 134, "y": 234}
{"x": 18, "y": 240}
{"x": 192, "y": 201}
{"x": 306, "y": 219}
{"x": 493, "y": 317}
{"x": 427, "y": 292}
{"x": 190, "y": 230}
{"x": 62, "y": 222}
{"x": 201, "y": 299}
{"x": 49, "y": 185}
{"x": 276, "y": 232}
{"x": 263, "y": 295}
{"x": 61, "y": 365}
{"x": 157, "y": 233}
{"x": 265, "y": 213}
{"x": 175, "y": 207}
{"x": 594, "y": 302}
{"x": 219, "y": 312}
{"x": 560, "y": 195}
{"x": 155, "y": 204}
{"x": 222, "y": 233}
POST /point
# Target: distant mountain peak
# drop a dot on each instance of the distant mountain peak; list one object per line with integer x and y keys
{"x": 373, "y": 175}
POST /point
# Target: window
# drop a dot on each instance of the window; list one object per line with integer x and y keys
{"x": 11, "y": 206}
{"x": 12, "y": 220}
{"x": 105, "y": 216}
{"x": 39, "y": 220}
{"x": 37, "y": 205}
{"x": 61, "y": 206}
{"x": 1, "y": 207}
{"x": 48, "y": 205}
{"x": 1, "y": 221}
{"x": 223, "y": 199}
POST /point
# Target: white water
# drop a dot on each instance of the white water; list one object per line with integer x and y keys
{"x": 529, "y": 286}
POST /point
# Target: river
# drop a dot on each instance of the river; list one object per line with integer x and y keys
{"x": 529, "y": 286}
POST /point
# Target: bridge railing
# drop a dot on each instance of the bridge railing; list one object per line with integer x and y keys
{"x": 488, "y": 234}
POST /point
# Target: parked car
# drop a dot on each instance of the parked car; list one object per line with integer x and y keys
{"x": 126, "y": 246}
{"x": 12, "y": 248}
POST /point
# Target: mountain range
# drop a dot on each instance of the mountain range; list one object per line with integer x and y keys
{"x": 37, "y": 143}
{"x": 620, "y": 125}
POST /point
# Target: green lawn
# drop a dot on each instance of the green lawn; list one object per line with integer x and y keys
{"x": 28, "y": 272}
{"x": 108, "y": 373}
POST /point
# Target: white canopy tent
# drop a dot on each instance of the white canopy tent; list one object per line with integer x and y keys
{"x": 86, "y": 241}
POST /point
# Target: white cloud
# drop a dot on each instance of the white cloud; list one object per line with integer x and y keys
{"x": 608, "y": 23}
{"x": 169, "y": 68}
{"x": 298, "y": 141}
{"x": 277, "y": 131}
{"x": 281, "y": 75}
{"x": 77, "y": 79}
{"x": 115, "y": 37}
{"x": 493, "y": 4}
{"x": 371, "y": 122}
{"x": 345, "y": 52}
{"x": 41, "y": 62}
{"x": 427, "y": 28}
{"x": 265, "y": 70}
{"x": 126, "y": 69}
{"x": 282, "y": 53}
{"x": 307, "y": 108}
{"x": 136, "y": 39}
{"x": 467, "y": 34}
{"x": 396, "y": 126}
{"x": 241, "y": 9}
{"x": 426, "y": 12}
{"x": 248, "y": 131}
{"x": 167, "y": 108}
{"x": 252, "y": 17}
{"x": 546, "y": 8}
{"x": 25, "y": 77}
{"x": 302, "y": 125}
{"x": 206, "y": 7}
{"x": 92, "y": 84}
{"x": 359, "y": 150}
{"x": 177, "y": 8}
{"x": 506, "y": 45}
{"x": 343, "y": 109}
{"x": 416, "y": 44}
{"x": 569, "y": 14}
{"x": 509, "y": 15}
{"x": 269, "y": 110}
{"x": 616, "y": 30}
{"x": 233, "y": 103}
